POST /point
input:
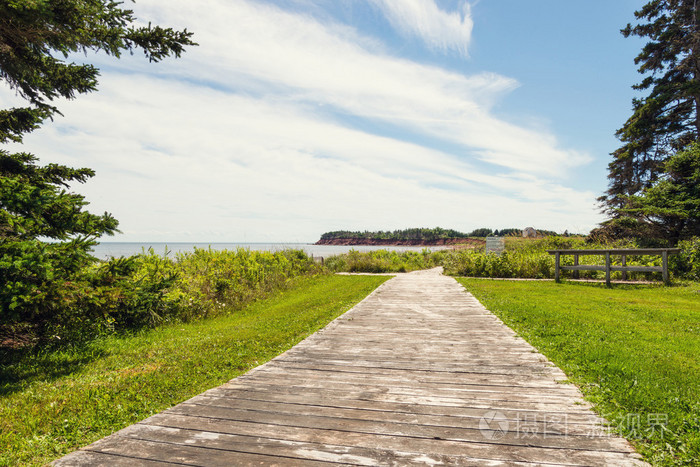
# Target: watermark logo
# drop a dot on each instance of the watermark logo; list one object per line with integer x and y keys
{"x": 493, "y": 425}
{"x": 635, "y": 427}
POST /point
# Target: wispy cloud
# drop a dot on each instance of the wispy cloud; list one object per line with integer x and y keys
{"x": 440, "y": 30}
{"x": 292, "y": 57}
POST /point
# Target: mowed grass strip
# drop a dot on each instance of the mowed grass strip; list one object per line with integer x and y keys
{"x": 53, "y": 403}
{"x": 633, "y": 350}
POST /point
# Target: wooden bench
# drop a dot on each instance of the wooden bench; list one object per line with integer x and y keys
{"x": 608, "y": 268}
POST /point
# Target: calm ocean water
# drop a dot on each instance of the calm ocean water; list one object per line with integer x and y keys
{"x": 116, "y": 249}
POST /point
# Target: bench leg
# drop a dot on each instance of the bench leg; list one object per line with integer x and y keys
{"x": 607, "y": 269}
{"x": 664, "y": 259}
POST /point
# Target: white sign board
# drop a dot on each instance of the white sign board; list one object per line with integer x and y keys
{"x": 495, "y": 245}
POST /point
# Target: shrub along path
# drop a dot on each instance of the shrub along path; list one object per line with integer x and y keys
{"x": 417, "y": 373}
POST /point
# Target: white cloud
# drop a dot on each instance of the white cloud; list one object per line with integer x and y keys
{"x": 437, "y": 28}
{"x": 248, "y": 137}
{"x": 296, "y": 58}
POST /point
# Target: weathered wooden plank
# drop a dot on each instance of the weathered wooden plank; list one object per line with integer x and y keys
{"x": 512, "y": 435}
{"x": 381, "y": 351}
{"x": 479, "y": 366}
{"x": 583, "y": 267}
{"x": 426, "y": 404}
{"x": 508, "y": 345}
{"x": 591, "y": 267}
{"x": 444, "y": 360}
{"x": 486, "y": 448}
{"x": 139, "y": 450}
{"x": 85, "y": 458}
{"x": 413, "y": 386}
{"x": 351, "y": 364}
{"x": 504, "y": 370}
{"x": 331, "y": 400}
{"x": 465, "y": 372}
{"x": 637, "y": 268}
{"x": 439, "y": 350}
{"x": 436, "y": 363}
{"x": 553, "y": 423}
{"x": 409, "y": 395}
{"x": 444, "y": 378}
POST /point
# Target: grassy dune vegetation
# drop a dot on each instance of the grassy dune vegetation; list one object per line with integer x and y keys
{"x": 380, "y": 261}
{"x": 633, "y": 350}
{"x": 56, "y": 401}
{"x": 148, "y": 290}
{"x": 522, "y": 258}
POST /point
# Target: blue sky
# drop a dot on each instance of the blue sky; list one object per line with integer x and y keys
{"x": 296, "y": 117}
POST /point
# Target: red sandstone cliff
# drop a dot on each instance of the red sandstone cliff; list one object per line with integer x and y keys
{"x": 406, "y": 242}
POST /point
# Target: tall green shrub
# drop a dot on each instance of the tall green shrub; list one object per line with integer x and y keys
{"x": 686, "y": 265}
{"x": 211, "y": 281}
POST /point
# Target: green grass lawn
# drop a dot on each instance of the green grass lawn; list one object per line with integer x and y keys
{"x": 56, "y": 402}
{"x": 633, "y": 350}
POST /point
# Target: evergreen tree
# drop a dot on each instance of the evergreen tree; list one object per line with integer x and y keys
{"x": 667, "y": 120}
{"x": 670, "y": 208}
{"x": 482, "y": 232}
{"x": 37, "y": 37}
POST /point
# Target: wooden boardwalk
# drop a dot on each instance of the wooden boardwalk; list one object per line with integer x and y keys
{"x": 419, "y": 373}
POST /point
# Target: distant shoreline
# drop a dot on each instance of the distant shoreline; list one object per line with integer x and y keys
{"x": 402, "y": 242}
